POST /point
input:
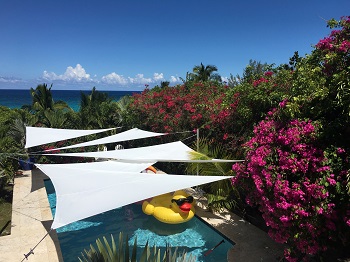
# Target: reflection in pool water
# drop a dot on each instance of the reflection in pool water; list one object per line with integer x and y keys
{"x": 195, "y": 236}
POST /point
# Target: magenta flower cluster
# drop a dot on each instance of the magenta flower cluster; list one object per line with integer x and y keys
{"x": 292, "y": 182}
{"x": 338, "y": 40}
{"x": 336, "y": 48}
{"x": 259, "y": 81}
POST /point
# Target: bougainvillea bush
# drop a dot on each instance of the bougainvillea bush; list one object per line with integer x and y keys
{"x": 321, "y": 84}
{"x": 184, "y": 108}
{"x": 296, "y": 169}
{"x": 224, "y": 114}
{"x": 299, "y": 187}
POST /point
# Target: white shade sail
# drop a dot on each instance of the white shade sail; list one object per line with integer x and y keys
{"x": 162, "y": 152}
{"x": 168, "y": 152}
{"x": 109, "y": 165}
{"x": 84, "y": 193}
{"x": 36, "y": 136}
{"x": 131, "y": 134}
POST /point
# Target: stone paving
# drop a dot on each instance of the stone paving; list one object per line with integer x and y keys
{"x": 32, "y": 219}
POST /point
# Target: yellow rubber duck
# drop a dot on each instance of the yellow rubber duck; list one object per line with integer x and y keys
{"x": 171, "y": 208}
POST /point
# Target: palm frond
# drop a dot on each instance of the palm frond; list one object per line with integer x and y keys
{"x": 207, "y": 150}
{"x": 18, "y": 131}
{"x": 220, "y": 194}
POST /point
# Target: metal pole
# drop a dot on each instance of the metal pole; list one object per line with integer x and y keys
{"x": 197, "y": 139}
{"x": 197, "y": 149}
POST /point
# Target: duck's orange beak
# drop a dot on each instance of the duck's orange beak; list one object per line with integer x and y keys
{"x": 185, "y": 207}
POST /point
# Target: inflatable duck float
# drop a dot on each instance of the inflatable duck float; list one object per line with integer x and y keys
{"x": 170, "y": 208}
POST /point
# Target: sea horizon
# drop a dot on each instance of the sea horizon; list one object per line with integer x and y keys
{"x": 16, "y": 98}
{"x": 71, "y": 89}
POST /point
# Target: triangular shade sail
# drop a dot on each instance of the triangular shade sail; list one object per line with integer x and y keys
{"x": 169, "y": 152}
{"x": 36, "y": 136}
{"x": 84, "y": 193}
{"x": 131, "y": 134}
{"x": 110, "y": 165}
{"x": 162, "y": 152}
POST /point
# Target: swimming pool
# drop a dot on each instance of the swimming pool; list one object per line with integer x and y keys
{"x": 195, "y": 237}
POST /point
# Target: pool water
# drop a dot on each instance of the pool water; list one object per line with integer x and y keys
{"x": 196, "y": 237}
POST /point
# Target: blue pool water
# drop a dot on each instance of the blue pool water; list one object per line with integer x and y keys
{"x": 195, "y": 237}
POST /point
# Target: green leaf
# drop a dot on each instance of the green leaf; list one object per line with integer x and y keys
{"x": 134, "y": 250}
{"x": 108, "y": 248}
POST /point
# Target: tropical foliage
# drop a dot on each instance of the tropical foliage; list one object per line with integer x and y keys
{"x": 98, "y": 110}
{"x": 48, "y": 112}
{"x": 253, "y": 71}
{"x": 43, "y": 100}
{"x": 11, "y": 142}
{"x": 107, "y": 252}
{"x": 221, "y": 194}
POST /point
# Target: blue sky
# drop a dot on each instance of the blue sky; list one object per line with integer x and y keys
{"x": 123, "y": 45}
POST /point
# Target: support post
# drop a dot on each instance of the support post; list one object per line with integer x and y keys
{"x": 197, "y": 149}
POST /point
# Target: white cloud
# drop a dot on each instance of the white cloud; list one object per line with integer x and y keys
{"x": 174, "y": 79}
{"x": 140, "y": 79}
{"x": 76, "y": 74}
{"x": 224, "y": 79}
{"x": 114, "y": 78}
{"x": 158, "y": 77}
{"x": 5, "y": 79}
{"x": 50, "y": 76}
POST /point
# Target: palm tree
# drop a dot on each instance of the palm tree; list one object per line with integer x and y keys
{"x": 92, "y": 100}
{"x": 123, "y": 104}
{"x": 98, "y": 110}
{"x": 203, "y": 73}
{"x": 43, "y": 105}
{"x": 164, "y": 84}
{"x": 55, "y": 118}
{"x": 43, "y": 100}
{"x": 18, "y": 132}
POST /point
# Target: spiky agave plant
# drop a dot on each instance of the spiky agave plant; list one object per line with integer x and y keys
{"x": 106, "y": 252}
{"x": 220, "y": 194}
{"x": 109, "y": 253}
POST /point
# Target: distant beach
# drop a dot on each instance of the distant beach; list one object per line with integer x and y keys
{"x": 16, "y": 98}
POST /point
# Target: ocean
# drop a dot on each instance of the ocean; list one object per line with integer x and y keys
{"x": 16, "y": 98}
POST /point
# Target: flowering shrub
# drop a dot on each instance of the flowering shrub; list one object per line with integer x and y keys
{"x": 184, "y": 108}
{"x": 321, "y": 80}
{"x": 259, "y": 81}
{"x": 335, "y": 48}
{"x": 298, "y": 187}
{"x": 224, "y": 114}
{"x": 321, "y": 84}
